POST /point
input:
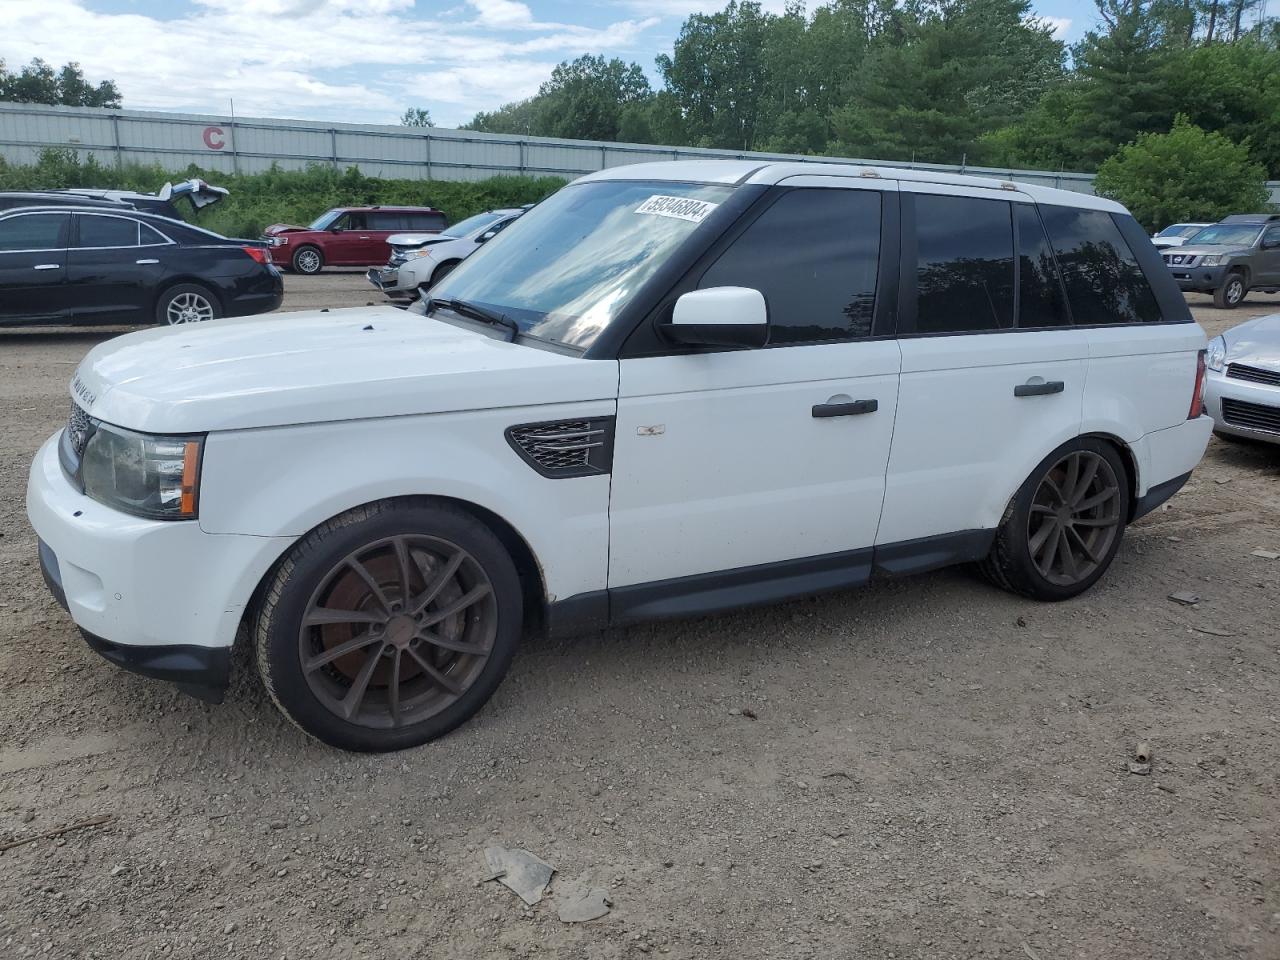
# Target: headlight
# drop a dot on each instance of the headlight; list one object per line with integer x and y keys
{"x": 1215, "y": 354}
{"x": 1212, "y": 260}
{"x": 142, "y": 474}
{"x": 411, "y": 254}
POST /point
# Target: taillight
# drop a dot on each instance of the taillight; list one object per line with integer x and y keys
{"x": 1197, "y": 393}
{"x": 261, "y": 254}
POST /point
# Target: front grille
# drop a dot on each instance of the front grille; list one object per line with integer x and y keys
{"x": 78, "y": 428}
{"x": 565, "y": 448}
{"x": 1180, "y": 259}
{"x": 1253, "y": 416}
{"x": 1240, "y": 371}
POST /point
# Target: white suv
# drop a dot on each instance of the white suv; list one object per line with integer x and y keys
{"x": 668, "y": 390}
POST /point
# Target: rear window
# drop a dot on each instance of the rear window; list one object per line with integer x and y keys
{"x": 424, "y": 221}
{"x": 964, "y": 264}
{"x": 108, "y": 231}
{"x": 1040, "y": 300}
{"x": 1104, "y": 282}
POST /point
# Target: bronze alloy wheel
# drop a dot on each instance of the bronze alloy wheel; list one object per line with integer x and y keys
{"x": 397, "y": 631}
{"x": 1075, "y": 517}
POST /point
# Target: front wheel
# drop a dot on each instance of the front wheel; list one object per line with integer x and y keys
{"x": 1232, "y": 292}
{"x": 186, "y": 303}
{"x": 307, "y": 260}
{"x": 1063, "y": 527}
{"x": 389, "y": 625}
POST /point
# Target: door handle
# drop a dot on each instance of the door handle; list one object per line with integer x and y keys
{"x": 46, "y": 266}
{"x": 850, "y": 409}
{"x": 1039, "y": 389}
{"x": 146, "y": 261}
{"x": 364, "y": 238}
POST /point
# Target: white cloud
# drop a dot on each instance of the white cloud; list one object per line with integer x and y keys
{"x": 347, "y": 60}
{"x": 1060, "y": 25}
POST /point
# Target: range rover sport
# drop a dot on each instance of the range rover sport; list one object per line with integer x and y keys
{"x": 668, "y": 390}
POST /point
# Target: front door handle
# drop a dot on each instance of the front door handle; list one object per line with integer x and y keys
{"x": 1039, "y": 389}
{"x": 146, "y": 261}
{"x": 851, "y": 408}
{"x": 364, "y": 238}
{"x": 46, "y": 266}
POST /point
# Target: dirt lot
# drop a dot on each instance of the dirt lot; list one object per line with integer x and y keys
{"x": 934, "y": 768}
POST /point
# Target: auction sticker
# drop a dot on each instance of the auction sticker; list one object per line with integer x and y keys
{"x": 681, "y": 208}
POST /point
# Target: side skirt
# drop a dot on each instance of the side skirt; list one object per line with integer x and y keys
{"x": 709, "y": 593}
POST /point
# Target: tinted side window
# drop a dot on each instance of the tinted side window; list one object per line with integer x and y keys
{"x": 108, "y": 232}
{"x": 964, "y": 264}
{"x": 1040, "y": 300}
{"x": 37, "y": 231}
{"x": 386, "y": 221}
{"x": 426, "y": 221}
{"x": 1104, "y": 282}
{"x": 357, "y": 221}
{"x": 814, "y": 255}
{"x": 148, "y": 237}
{"x": 1271, "y": 238}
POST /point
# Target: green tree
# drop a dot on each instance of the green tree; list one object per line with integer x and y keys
{"x": 38, "y": 82}
{"x": 416, "y": 117}
{"x": 1185, "y": 174}
{"x": 586, "y": 98}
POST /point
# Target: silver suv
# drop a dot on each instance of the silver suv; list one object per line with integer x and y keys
{"x": 1230, "y": 258}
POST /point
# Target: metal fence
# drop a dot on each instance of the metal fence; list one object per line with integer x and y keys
{"x": 253, "y": 144}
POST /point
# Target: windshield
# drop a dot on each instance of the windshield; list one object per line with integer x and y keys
{"x": 570, "y": 265}
{"x": 471, "y": 225}
{"x": 1180, "y": 230}
{"x": 322, "y": 222}
{"x": 1236, "y": 234}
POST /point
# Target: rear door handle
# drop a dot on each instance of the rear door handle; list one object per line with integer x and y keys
{"x": 850, "y": 409}
{"x": 46, "y": 266}
{"x": 364, "y": 238}
{"x": 146, "y": 261}
{"x": 1039, "y": 389}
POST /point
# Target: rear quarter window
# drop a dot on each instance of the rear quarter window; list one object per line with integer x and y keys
{"x": 1104, "y": 281}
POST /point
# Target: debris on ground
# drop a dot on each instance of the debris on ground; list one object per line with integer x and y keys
{"x": 1139, "y": 769}
{"x": 520, "y": 871}
{"x": 1142, "y": 752}
{"x": 80, "y": 825}
{"x": 1185, "y": 597}
{"x": 1215, "y": 632}
{"x": 1266, "y": 554}
{"x": 580, "y": 900}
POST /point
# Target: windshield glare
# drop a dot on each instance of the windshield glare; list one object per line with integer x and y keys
{"x": 568, "y": 267}
{"x": 322, "y": 222}
{"x": 470, "y": 225}
{"x": 1237, "y": 234}
{"x": 1180, "y": 230}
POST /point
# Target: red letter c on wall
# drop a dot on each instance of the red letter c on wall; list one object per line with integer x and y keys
{"x": 213, "y": 138}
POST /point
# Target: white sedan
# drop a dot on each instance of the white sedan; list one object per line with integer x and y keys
{"x": 419, "y": 260}
{"x": 1242, "y": 386}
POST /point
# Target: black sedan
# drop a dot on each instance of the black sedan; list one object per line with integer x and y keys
{"x": 87, "y": 265}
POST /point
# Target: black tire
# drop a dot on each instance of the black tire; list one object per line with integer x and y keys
{"x": 307, "y": 260}
{"x": 187, "y": 303}
{"x": 309, "y": 695}
{"x": 1232, "y": 292}
{"x": 1018, "y": 557}
{"x": 443, "y": 271}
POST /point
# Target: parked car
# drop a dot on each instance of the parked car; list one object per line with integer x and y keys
{"x": 196, "y": 193}
{"x": 673, "y": 389}
{"x": 420, "y": 259}
{"x": 1242, "y": 389}
{"x": 86, "y": 265}
{"x": 348, "y": 236}
{"x": 1176, "y": 234}
{"x": 1230, "y": 258}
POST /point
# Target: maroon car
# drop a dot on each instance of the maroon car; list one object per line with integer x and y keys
{"x": 348, "y": 236}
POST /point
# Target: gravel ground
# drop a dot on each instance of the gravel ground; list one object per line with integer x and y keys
{"x": 925, "y": 768}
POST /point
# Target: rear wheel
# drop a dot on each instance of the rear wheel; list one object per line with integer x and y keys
{"x": 1063, "y": 527}
{"x": 1232, "y": 292}
{"x": 307, "y": 260}
{"x": 187, "y": 303}
{"x": 389, "y": 626}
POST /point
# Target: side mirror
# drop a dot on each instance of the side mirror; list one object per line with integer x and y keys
{"x": 719, "y": 317}
{"x": 486, "y": 236}
{"x": 1271, "y": 244}
{"x": 335, "y": 229}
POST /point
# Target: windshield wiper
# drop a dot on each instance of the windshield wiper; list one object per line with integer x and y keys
{"x": 474, "y": 312}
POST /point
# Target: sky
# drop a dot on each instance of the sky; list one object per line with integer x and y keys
{"x": 357, "y": 61}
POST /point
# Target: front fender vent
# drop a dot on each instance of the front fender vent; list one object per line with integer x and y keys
{"x": 565, "y": 448}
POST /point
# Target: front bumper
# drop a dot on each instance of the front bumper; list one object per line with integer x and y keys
{"x": 1218, "y": 387}
{"x": 401, "y": 281}
{"x": 1197, "y": 279}
{"x": 162, "y": 598}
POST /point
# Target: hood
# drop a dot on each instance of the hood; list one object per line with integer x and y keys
{"x": 1205, "y": 249}
{"x": 276, "y": 228}
{"x": 312, "y": 367}
{"x": 1255, "y": 341}
{"x": 413, "y": 241}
